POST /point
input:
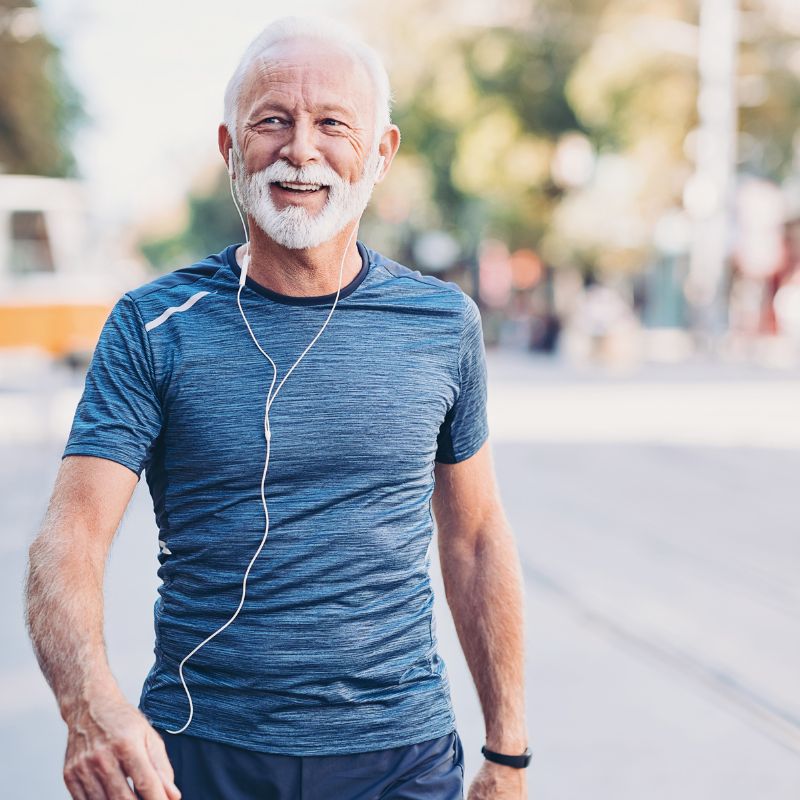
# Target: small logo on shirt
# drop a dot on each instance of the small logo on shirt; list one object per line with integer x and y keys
{"x": 174, "y": 310}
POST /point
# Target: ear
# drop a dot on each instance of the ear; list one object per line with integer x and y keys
{"x": 388, "y": 147}
{"x": 225, "y": 144}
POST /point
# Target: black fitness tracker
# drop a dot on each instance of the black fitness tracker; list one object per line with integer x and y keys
{"x": 519, "y": 762}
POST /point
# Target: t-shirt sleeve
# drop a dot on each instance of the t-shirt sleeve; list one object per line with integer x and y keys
{"x": 465, "y": 427}
{"x": 119, "y": 414}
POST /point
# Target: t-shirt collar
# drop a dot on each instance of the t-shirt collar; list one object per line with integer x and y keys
{"x": 229, "y": 255}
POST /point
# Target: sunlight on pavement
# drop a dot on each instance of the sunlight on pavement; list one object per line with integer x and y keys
{"x": 736, "y": 414}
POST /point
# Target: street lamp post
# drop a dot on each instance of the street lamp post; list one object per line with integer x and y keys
{"x": 709, "y": 193}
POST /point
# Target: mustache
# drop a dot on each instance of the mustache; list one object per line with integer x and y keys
{"x": 310, "y": 173}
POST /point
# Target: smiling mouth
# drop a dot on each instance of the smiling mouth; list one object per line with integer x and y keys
{"x": 299, "y": 188}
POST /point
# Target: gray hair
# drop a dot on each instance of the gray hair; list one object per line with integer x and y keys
{"x": 311, "y": 28}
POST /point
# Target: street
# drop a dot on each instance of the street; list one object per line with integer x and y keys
{"x": 656, "y": 518}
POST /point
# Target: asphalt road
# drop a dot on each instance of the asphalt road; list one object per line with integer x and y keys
{"x": 656, "y": 516}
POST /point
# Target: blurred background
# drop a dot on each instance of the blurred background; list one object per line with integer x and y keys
{"x": 617, "y": 184}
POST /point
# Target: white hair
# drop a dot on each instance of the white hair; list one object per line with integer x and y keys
{"x": 311, "y": 28}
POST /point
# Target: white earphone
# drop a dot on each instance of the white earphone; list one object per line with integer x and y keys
{"x": 246, "y": 258}
{"x": 267, "y": 432}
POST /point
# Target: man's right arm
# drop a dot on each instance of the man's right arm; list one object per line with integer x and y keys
{"x": 109, "y": 740}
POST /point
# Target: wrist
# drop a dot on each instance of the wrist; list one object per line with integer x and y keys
{"x": 507, "y": 761}
{"x": 83, "y": 697}
{"x": 508, "y": 741}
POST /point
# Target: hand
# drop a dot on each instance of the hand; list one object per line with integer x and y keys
{"x": 109, "y": 741}
{"x": 498, "y": 782}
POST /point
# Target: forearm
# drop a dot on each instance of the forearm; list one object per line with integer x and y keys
{"x": 484, "y": 588}
{"x": 64, "y": 614}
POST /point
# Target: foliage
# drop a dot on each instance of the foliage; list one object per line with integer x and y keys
{"x": 39, "y": 107}
{"x": 769, "y": 88}
{"x": 482, "y": 111}
{"x": 485, "y": 107}
{"x": 212, "y": 224}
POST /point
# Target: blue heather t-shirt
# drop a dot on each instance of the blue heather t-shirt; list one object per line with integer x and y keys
{"x": 334, "y": 650}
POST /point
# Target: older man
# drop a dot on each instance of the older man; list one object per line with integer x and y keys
{"x": 298, "y": 403}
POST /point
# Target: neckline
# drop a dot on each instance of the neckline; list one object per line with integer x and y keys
{"x": 293, "y": 300}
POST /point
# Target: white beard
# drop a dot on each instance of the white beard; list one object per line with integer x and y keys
{"x": 294, "y": 227}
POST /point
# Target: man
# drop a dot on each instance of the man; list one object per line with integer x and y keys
{"x": 299, "y": 404}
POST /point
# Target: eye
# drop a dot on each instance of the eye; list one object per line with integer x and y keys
{"x": 269, "y": 120}
{"x": 334, "y": 123}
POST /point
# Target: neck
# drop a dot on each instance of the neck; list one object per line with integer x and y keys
{"x": 302, "y": 273}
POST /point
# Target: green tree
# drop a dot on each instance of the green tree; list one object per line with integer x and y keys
{"x": 212, "y": 224}
{"x": 39, "y": 107}
{"x": 484, "y": 107}
{"x": 769, "y": 88}
{"x": 481, "y": 108}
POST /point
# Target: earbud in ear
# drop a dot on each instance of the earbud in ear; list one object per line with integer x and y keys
{"x": 230, "y": 161}
{"x": 378, "y": 169}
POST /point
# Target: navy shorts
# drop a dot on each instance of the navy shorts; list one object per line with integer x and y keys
{"x": 206, "y": 770}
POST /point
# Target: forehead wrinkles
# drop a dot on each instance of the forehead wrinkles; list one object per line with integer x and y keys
{"x": 315, "y": 74}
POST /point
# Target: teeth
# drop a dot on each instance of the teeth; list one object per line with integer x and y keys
{"x": 303, "y": 187}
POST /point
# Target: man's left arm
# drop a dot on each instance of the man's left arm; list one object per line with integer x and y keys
{"x": 484, "y": 589}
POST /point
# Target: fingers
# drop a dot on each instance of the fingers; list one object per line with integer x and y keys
{"x": 74, "y": 787}
{"x": 110, "y": 743}
{"x": 135, "y": 761}
{"x": 92, "y": 790}
{"x": 99, "y": 782}
{"x": 99, "y": 768}
{"x": 157, "y": 751}
{"x": 84, "y": 776}
{"x": 116, "y": 785}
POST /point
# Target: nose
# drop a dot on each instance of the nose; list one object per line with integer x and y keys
{"x": 300, "y": 147}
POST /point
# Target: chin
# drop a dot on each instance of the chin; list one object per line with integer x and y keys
{"x": 298, "y": 231}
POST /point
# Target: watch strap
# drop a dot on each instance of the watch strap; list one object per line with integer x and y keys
{"x": 519, "y": 762}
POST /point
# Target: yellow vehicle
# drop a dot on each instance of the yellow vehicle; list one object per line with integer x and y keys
{"x": 56, "y": 285}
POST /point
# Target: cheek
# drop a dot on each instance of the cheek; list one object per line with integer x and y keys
{"x": 259, "y": 151}
{"x": 359, "y": 148}
{"x": 351, "y": 159}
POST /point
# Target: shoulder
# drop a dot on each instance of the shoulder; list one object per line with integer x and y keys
{"x": 182, "y": 287}
{"x": 405, "y": 280}
{"x": 198, "y": 275}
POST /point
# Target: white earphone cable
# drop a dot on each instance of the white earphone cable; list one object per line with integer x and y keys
{"x": 267, "y": 433}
